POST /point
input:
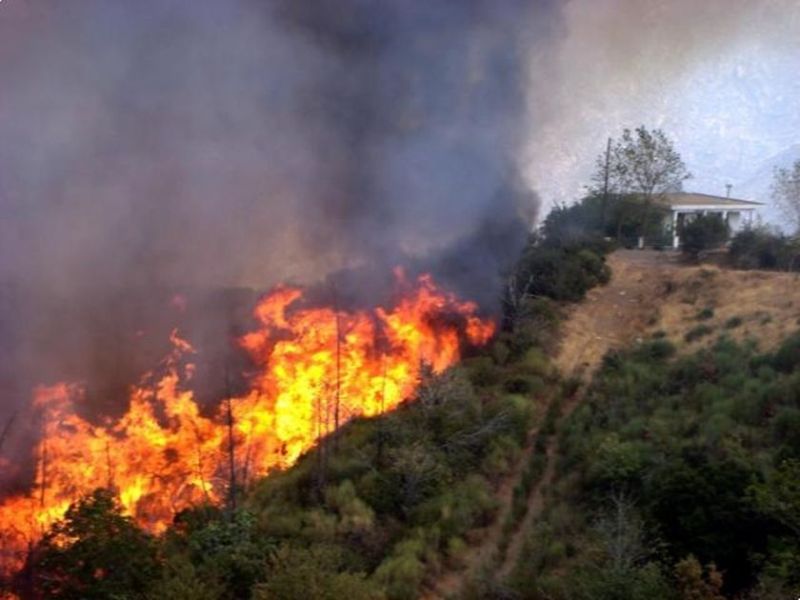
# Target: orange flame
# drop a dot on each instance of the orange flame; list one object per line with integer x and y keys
{"x": 317, "y": 369}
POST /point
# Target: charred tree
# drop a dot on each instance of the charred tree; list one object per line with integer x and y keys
{"x": 7, "y": 429}
{"x": 231, "y": 445}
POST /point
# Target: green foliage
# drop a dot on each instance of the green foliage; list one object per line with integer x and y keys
{"x": 642, "y": 161}
{"x": 94, "y": 552}
{"x": 787, "y": 358}
{"x": 227, "y": 550}
{"x": 562, "y": 273}
{"x": 779, "y": 495}
{"x": 705, "y": 314}
{"x": 703, "y": 232}
{"x": 403, "y": 490}
{"x": 524, "y": 384}
{"x": 760, "y": 248}
{"x": 402, "y": 573}
{"x": 315, "y": 573}
{"x": 181, "y": 580}
{"x": 706, "y": 448}
{"x": 655, "y": 350}
{"x": 697, "y": 332}
{"x": 733, "y": 323}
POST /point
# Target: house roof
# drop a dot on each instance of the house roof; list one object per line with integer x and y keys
{"x": 696, "y": 199}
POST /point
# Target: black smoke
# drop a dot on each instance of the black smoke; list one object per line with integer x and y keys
{"x": 211, "y": 148}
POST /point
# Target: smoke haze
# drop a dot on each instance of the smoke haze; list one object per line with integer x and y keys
{"x": 718, "y": 76}
{"x": 205, "y": 148}
{"x": 168, "y": 146}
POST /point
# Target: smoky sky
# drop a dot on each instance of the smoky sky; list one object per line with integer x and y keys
{"x": 219, "y": 147}
{"x": 244, "y": 142}
{"x": 718, "y": 76}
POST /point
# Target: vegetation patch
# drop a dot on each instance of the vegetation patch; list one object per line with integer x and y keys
{"x": 695, "y": 333}
{"x": 676, "y": 479}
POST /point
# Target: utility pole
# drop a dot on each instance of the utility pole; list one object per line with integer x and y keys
{"x": 606, "y": 180}
{"x": 337, "y": 399}
{"x": 337, "y": 390}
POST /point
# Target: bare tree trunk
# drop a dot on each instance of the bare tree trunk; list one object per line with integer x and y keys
{"x": 43, "y": 467}
{"x": 7, "y": 429}
{"x": 321, "y": 449}
{"x": 109, "y": 470}
{"x": 382, "y": 423}
{"x": 231, "y": 446}
{"x": 338, "y": 385}
{"x": 200, "y": 465}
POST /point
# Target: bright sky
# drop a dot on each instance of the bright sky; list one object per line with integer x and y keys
{"x": 720, "y": 77}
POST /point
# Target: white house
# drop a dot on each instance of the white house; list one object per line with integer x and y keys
{"x": 684, "y": 206}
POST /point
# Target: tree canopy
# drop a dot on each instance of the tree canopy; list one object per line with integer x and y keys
{"x": 642, "y": 162}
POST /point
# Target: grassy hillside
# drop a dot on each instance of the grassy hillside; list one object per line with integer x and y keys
{"x": 678, "y": 477}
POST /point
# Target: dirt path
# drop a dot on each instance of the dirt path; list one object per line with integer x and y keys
{"x": 484, "y": 552}
{"x": 537, "y": 495}
{"x": 614, "y": 315}
{"x": 610, "y": 317}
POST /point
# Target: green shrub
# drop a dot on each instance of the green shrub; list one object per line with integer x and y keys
{"x": 656, "y": 350}
{"x": 402, "y": 573}
{"x": 695, "y": 333}
{"x": 560, "y": 273}
{"x": 733, "y": 323}
{"x": 760, "y": 248}
{"x": 313, "y": 573}
{"x": 787, "y": 358}
{"x": 705, "y": 314}
{"x": 482, "y": 371}
{"x": 704, "y": 232}
{"x": 524, "y": 384}
{"x": 94, "y": 548}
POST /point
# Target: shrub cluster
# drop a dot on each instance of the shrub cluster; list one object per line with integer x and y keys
{"x": 760, "y": 248}
{"x": 677, "y": 479}
{"x": 704, "y": 232}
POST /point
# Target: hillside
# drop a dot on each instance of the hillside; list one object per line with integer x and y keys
{"x": 653, "y": 294}
{"x": 674, "y": 470}
{"x": 642, "y": 442}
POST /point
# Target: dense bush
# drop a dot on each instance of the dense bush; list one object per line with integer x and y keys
{"x": 699, "y": 456}
{"x": 760, "y": 248}
{"x": 93, "y": 552}
{"x": 623, "y": 218}
{"x": 704, "y": 232}
{"x": 561, "y": 273}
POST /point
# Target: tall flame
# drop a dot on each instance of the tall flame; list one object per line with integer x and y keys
{"x": 317, "y": 369}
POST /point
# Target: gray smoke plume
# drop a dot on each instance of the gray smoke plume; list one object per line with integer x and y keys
{"x": 210, "y": 147}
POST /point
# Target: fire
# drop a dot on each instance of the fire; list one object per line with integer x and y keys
{"x": 317, "y": 369}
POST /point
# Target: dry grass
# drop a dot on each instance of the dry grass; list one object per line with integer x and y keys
{"x": 651, "y": 292}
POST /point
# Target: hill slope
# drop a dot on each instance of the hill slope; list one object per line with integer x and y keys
{"x": 651, "y": 293}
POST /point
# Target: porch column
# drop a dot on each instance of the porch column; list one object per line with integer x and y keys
{"x": 676, "y": 242}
